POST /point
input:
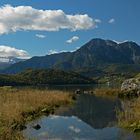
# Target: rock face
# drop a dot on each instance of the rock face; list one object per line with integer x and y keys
{"x": 132, "y": 84}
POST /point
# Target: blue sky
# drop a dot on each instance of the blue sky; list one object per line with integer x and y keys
{"x": 117, "y": 20}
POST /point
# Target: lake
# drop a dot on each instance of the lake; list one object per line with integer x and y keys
{"x": 90, "y": 118}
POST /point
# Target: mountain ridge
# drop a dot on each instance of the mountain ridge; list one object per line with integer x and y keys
{"x": 6, "y": 62}
{"x": 93, "y": 53}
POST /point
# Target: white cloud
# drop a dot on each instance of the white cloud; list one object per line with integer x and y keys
{"x": 52, "y": 52}
{"x": 112, "y": 20}
{"x": 74, "y": 129}
{"x": 119, "y": 42}
{"x": 57, "y": 117}
{"x": 55, "y": 51}
{"x": 60, "y": 51}
{"x": 98, "y": 21}
{"x": 73, "y": 39}
{"x": 40, "y": 36}
{"x": 7, "y": 51}
{"x": 17, "y": 18}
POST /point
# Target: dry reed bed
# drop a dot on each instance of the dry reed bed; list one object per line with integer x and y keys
{"x": 130, "y": 117}
{"x": 107, "y": 91}
{"x": 19, "y": 106}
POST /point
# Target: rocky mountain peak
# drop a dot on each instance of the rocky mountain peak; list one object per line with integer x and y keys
{"x": 95, "y": 52}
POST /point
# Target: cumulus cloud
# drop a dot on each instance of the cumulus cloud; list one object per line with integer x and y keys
{"x": 112, "y": 20}
{"x": 55, "y": 51}
{"x": 73, "y": 39}
{"x": 7, "y": 51}
{"x": 17, "y": 18}
{"x": 52, "y": 52}
{"x": 98, "y": 21}
{"x": 74, "y": 129}
{"x": 40, "y": 36}
{"x": 57, "y": 117}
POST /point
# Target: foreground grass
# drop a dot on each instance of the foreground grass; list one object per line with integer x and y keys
{"x": 17, "y": 107}
{"x": 130, "y": 116}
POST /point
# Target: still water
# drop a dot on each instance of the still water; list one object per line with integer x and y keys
{"x": 90, "y": 118}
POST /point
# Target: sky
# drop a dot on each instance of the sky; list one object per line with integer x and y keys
{"x": 40, "y": 27}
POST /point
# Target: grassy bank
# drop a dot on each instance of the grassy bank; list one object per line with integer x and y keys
{"x": 116, "y": 92}
{"x": 107, "y": 91}
{"x": 17, "y": 107}
{"x": 130, "y": 116}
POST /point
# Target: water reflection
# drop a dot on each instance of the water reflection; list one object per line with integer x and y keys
{"x": 91, "y": 118}
{"x": 99, "y": 112}
{"x": 72, "y": 128}
{"x": 86, "y": 87}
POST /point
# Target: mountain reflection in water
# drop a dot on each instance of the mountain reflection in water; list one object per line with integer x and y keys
{"x": 90, "y": 118}
{"x": 99, "y": 112}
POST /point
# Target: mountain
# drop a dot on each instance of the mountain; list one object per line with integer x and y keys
{"x": 43, "y": 77}
{"x": 4, "y": 65}
{"x": 97, "y": 53}
{"x": 6, "y": 62}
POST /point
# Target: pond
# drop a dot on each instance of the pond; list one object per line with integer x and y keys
{"x": 90, "y": 118}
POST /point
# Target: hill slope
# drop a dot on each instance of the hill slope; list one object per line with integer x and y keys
{"x": 43, "y": 77}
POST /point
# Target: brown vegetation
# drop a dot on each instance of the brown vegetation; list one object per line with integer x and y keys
{"x": 17, "y": 106}
{"x": 130, "y": 116}
{"x": 107, "y": 91}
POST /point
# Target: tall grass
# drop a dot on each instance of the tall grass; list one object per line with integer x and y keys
{"x": 130, "y": 116}
{"x": 19, "y": 106}
{"x": 107, "y": 91}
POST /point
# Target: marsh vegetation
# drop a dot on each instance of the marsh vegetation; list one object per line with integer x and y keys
{"x": 17, "y": 107}
{"x": 129, "y": 115}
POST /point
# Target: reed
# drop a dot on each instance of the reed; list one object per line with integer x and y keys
{"x": 130, "y": 116}
{"x": 107, "y": 91}
{"x": 17, "y": 106}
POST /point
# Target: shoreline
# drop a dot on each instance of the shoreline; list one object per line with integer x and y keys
{"x": 28, "y": 104}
